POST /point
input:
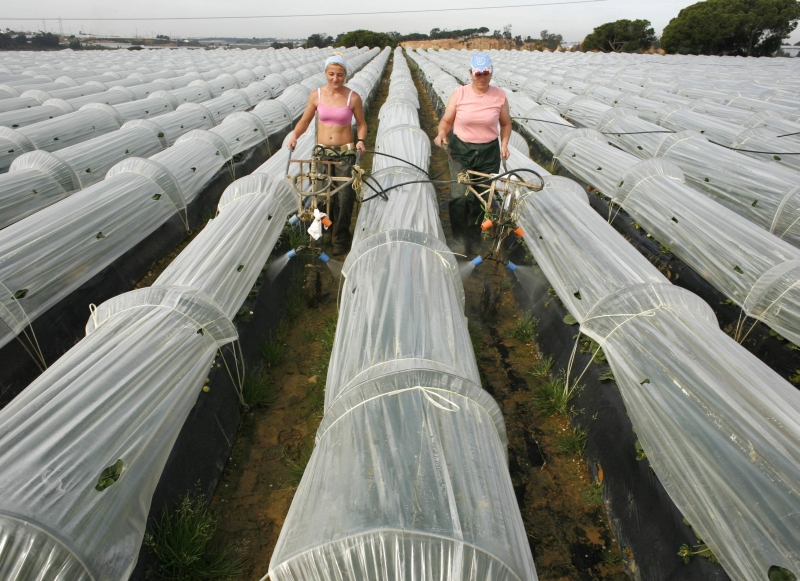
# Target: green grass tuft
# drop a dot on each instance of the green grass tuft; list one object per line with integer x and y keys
{"x": 525, "y": 328}
{"x": 296, "y": 465}
{"x": 552, "y": 398}
{"x": 573, "y": 442}
{"x": 180, "y": 541}
{"x": 543, "y": 369}
{"x": 258, "y": 391}
{"x": 273, "y": 350}
{"x": 593, "y": 494}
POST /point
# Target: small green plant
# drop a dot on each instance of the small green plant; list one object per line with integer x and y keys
{"x": 776, "y": 573}
{"x": 543, "y": 368}
{"x": 292, "y": 237}
{"x": 506, "y": 285}
{"x": 273, "y": 350}
{"x": 553, "y": 396}
{"x": 296, "y": 465}
{"x": 552, "y": 166}
{"x": 573, "y": 442}
{"x": 588, "y": 345}
{"x": 607, "y": 376}
{"x": 525, "y": 328}
{"x": 593, "y": 494}
{"x": 294, "y": 306}
{"x": 640, "y": 453}
{"x": 474, "y": 329}
{"x": 687, "y": 552}
{"x": 611, "y": 559}
{"x": 180, "y": 541}
{"x": 257, "y": 390}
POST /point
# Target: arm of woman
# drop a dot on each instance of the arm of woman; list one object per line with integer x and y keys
{"x": 446, "y": 124}
{"x": 305, "y": 120}
{"x": 358, "y": 112}
{"x": 505, "y": 130}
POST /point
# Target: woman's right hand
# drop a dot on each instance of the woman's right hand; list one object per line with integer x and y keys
{"x": 292, "y": 143}
{"x": 440, "y": 140}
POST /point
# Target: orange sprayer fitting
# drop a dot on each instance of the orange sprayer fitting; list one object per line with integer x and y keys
{"x": 326, "y": 222}
{"x": 519, "y": 232}
{"x": 486, "y": 224}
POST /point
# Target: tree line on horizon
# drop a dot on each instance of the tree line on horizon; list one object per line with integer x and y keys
{"x": 710, "y": 27}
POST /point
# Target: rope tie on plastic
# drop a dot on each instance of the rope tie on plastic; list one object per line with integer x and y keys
{"x": 431, "y": 395}
{"x": 32, "y": 349}
{"x": 757, "y": 319}
{"x": 238, "y": 381}
{"x": 601, "y": 342}
{"x": 438, "y": 253}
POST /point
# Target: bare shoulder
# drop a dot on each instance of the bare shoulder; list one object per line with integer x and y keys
{"x": 355, "y": 98}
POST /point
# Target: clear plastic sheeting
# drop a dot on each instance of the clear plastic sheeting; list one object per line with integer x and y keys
{"x": 716, "y": 417}
{"x": 442, "y": 507}
{"x": 84, "y": 446}
{"x": 47, "y": 255}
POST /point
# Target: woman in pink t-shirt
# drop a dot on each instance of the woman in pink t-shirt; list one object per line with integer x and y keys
{"x": 474, "y": 113}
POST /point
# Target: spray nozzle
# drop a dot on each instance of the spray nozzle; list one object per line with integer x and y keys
{"x": 476, "y": 261}
{"x": 324, "y": 257}
{"x": 486, "y": 224}
{"x": 294, "y": 220}
{"x": 519, "y": 232}
{"x": 292, "y": 253}
{"x": 511, "y": 266}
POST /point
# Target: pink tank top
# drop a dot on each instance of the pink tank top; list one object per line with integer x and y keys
{"x": 340, "y": 116}
{"x": 478, "y": 116}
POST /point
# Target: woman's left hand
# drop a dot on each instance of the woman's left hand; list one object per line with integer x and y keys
{"x": 504, "y": 152}
{"x": 361, "y": 147}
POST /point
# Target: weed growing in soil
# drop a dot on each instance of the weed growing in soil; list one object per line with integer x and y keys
{"x": 525, "y": 328}
{"x": 180, "y": 542}
{"x": 274, "y": 350}
{"x": 296, "y": 465}
{"x": 552, "y": 397}
{"x": 291, "y": 237}
{"x": 543, "y": 368}
{"x": 611, "y": 559}
{"x": 258, "y": 390}
{"x": 474, "y": 330}
{"x": 506, "y": 285}
{"x": 294, "y": 306}
{"x": 573, "y": 442}
{"x": 686, "y": 552}
{"x": 593, "y": 494}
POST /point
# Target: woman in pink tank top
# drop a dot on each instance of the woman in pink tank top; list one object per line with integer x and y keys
{"x": 335, "y": 106}
{"x": 474, "y": 113}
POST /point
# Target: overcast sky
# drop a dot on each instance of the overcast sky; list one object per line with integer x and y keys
{"x": 573, "y": 21}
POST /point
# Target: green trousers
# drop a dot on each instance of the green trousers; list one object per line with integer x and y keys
{"x": 466, "y": 210}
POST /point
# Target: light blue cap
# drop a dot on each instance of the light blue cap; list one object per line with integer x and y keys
{"x": 324, "y": 257}
{"x": 476, "y": 261}
{"x": 480, "y": 63}
{"x": 336, "y": 59}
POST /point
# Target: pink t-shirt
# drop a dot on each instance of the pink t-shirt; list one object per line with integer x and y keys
{"x": 478, "y": 116}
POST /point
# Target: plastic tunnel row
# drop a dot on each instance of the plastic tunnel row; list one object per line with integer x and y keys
{"x": 755, "y": 269}
{"x": 49, "y": 254}
{"x": 40, "y": 178}
{"x": 88, "y": 142}
{"x": 409, "y": 476}
{"x": 719, "y": 427}
{"x": 68, "y": 83}
{"x": 83, "y": 447}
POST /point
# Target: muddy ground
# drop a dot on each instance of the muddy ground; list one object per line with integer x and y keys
{"x": 562, "y": 508}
